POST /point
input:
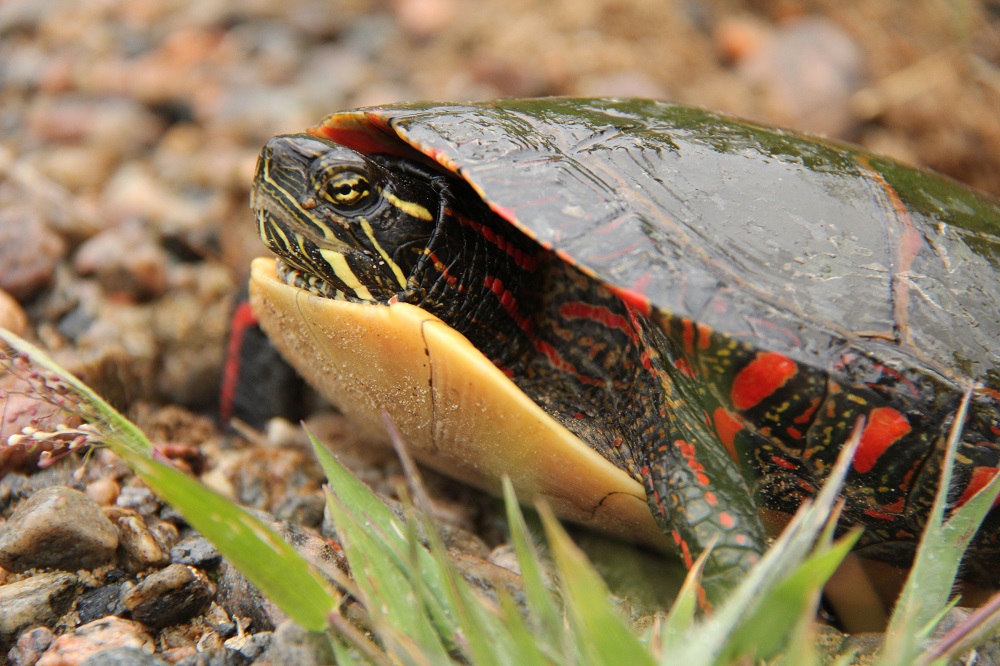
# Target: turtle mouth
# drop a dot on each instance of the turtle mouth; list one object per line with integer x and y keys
{"x": 309, "y": 282}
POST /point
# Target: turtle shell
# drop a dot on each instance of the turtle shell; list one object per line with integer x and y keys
{"x": 728, "y": 223}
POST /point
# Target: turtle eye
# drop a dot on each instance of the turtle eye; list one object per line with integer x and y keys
{"x": 347, "y": 188}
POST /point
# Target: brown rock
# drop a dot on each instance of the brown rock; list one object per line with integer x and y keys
{"x": 170, "y": 596}
{"x": 40, "y": 599}
{"x": 29, "y": 252}
{"x": 58, "y": 528}
{"x": 74, "y": 648}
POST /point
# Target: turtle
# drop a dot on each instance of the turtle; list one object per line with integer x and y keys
{"x": 665, "y": 321}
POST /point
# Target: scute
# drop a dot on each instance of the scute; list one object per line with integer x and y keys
{"x": 726, "y": 223}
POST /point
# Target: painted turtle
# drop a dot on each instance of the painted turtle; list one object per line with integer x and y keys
{"x": 672, "y": 313}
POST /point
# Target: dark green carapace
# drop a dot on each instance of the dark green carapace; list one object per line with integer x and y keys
{"x": 710, "y": 304}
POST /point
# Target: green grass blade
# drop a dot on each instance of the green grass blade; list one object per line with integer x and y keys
{"x": 545, "y": 610}
{"x": 784, "y": 605}
{"x": 385, "y": 586}
{"x": 605, "y": 637}
{"x": 935, "y": 566}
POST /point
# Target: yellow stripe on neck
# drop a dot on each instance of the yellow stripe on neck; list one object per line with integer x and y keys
{"x": 397, "y": 271}
{"x": 340, "y": 268}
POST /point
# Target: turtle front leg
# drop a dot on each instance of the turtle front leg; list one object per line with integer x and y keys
{"x": 697, "y": 495}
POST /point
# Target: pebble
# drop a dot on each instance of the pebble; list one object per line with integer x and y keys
{"x": 30, "y": 646}
{"x": 138, "y": 548}
{"x": 100, "y": 602}
{"x": 57, "y": 528}
{"x": 12, "y": 315}
{"x": 216, "y": 657}
{"x": 291, "y": 644}
{"x": 126, "y": 260}
{"x": 29, "y": 252}
{"x": 139, "y": 498}
{"x": 75, "y": 647}
{"x": 104, "y": 491}
{"x": 250, "y": 646}
{"x": 807, "y": 70}
{"x": 170, "y": 596}
{"x": 40, "y": 599}
{"x": 124, "y": 656}
{"x": 196, "y": 551}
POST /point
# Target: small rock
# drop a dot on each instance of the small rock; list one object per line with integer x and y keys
{"x": 170, "y": 596}
{"x": 196, "y": 551}
{"x": 216, "y": 657}
{"x": 30, "y": 646}
{"x": 12, "y": 315}
{"x": 125, "y": 259}
{"x": 305, "y": 510}
{"x": 250, "y": 646}
{"x": 123, "y": 656}
{"x": 40, "y": 599}
{"x": 139, "y": 547}
{"x": 57, "y": 528}
{"x": 140, "y": 499}
{"x": 100, "y": 602}
{"x": 807, "y": 70}
{"x": 291, "y": 644}
{"x": 505, "y": 556}
{"x": 240, "y": 598}
{"x": 90, "y": 639}
{"x": 104, "y": 491}
{"x": 29, "y": 252}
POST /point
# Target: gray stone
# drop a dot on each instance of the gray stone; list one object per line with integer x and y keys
{"x": 57, "y": 528}
{"x": 139, "y": 548}
{"x": 123, "y": 656}
{"x": 291, "y": 644}
{"x": 30, "y": 646}
{"x": 40, "y": 599}
{"x": 196, "y": 551}
{"x": 171, "y": 596}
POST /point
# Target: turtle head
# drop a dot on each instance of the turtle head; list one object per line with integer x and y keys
{"x": 344, "y": 224}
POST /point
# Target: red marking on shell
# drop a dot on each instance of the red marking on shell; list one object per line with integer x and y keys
{"x": 687, "y": 335}
{"x": 727, "y": 521}
{"x": 727, "y": 426}
{"x": 599, "y": 314}
{"x": 885, "y": 426}
{"x": 977, "y": 481}
{"x": 363, "y": 141}
{"x": 764, "y": 375}
{"x": 634, "y": 297}
{"x": 794, "y": 432}
{"x": 711, "y": 499}
{"x": 704, "y": 337}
